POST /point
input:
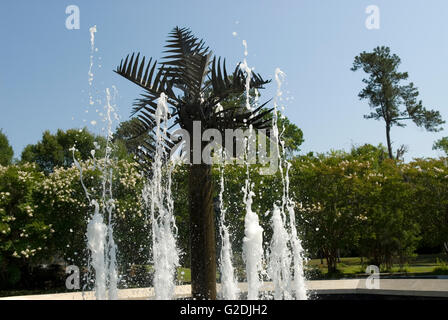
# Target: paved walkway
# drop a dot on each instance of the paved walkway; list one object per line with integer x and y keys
{"x": 401, "y": 287}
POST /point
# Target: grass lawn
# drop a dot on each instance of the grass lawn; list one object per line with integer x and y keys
{"x": 419, "y": 265}
{"x": 352, "y": 266}
{"x": 184, "y": 275}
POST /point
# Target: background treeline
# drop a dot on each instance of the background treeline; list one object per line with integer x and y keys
{"x": 357, "y": 203}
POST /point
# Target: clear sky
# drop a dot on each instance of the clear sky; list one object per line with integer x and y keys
{"x": 44, "y": 66}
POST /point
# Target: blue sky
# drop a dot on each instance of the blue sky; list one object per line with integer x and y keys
{"x": 44, "y": 66}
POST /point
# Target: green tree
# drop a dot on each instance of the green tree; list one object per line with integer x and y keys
{"x": 428, "y": 180}
{"x": 392, "y": 101}
{"x": 441, "y": 144}
{"x": 327, "y": 211}
{"x": 54, "y": 150}
{"x": 356, "y": 203}
{"x": 390, "y": 230}
{"x": 6, "y": 152}
{"x": 369, "y": 152}
{"x": 291, "y": 135}
{"x": 126, "y": 134}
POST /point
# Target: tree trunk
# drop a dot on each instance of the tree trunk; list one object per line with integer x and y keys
{"x": 332, "y": 265}
{"x": 389, "y": 145}
{"x": 202, "y": 233}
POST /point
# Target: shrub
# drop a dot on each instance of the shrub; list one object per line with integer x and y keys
{"x": 313, "y": 273}
{"x": 24, "y": 233}
{"x": 441, "y": 269}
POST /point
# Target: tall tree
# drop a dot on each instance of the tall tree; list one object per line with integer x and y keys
{"x": 392, "y": 101}
{"x": 54, "y": 149}
{"x": 291, "y": 134}
{"x": 6, "y": 151}
{"x": 125, "y": 133}
{"x": 182, "y": 77}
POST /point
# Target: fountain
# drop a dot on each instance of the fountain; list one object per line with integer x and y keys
{"x": 284, "y": 261}
{"x": 100, "y": 238}
{"x": 229, "y": 285}
{"x": 158, "y": 199}
{"x": 286, "y": 247}
{"x": 252, "y": 246}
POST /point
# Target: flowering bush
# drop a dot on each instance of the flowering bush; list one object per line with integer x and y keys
{"x": 43, "y": 218}
{"x": 429, "y": 182}
{"x": 24, "y": 231}
{"x": 64, "y": 199}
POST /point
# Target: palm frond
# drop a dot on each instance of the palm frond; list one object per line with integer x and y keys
{"x": 144, "y": 127}
{"x": 154, "y": 81}
{"x": 225, "y": 86}
{"x": 187, "y": 62}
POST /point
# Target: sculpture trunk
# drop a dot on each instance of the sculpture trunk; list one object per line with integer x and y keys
{"x": 202, "y": 233}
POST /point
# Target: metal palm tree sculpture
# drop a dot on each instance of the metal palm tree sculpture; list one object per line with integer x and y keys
{"x": 203, "y": 83}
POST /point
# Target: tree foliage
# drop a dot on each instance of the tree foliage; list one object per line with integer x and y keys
{"x": 355, "y": 203}
{"x": 53, "y": 150}
{"x": 24, "y": 231}
{"x": 43, "y": 218}
{"x": 6, "y": 151}
{"x": 441, "y": 144}
{"x": 428, "y": 179}
{"x": 291, "y": 134}
{"x": 125, "y": 134}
